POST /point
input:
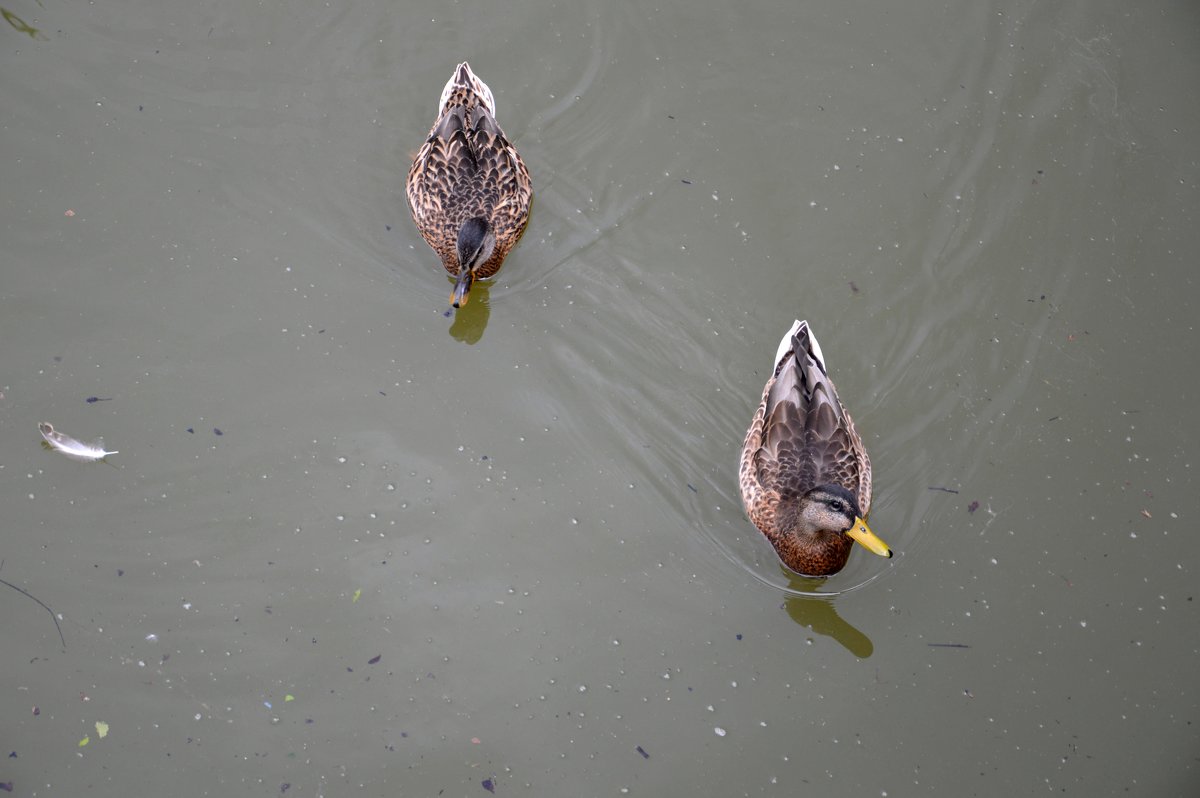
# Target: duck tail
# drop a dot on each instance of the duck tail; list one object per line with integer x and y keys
{"x": 464, "y": 82}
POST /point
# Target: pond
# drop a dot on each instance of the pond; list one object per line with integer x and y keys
{"x": 352, "y": 544}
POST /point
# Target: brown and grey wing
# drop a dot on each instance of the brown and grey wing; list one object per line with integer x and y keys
{"x": 439, "y": 182}
{"x": 503, "y": 180}
{"x": 837, "y": 451}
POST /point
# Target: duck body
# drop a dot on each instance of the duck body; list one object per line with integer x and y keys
{"x": 804, "y": 474}
{"x": 468, "y": 190}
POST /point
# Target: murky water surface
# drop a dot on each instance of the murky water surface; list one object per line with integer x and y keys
{"x": 351, "y": 546}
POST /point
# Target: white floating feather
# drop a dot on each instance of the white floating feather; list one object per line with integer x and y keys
{"x": 75, "y": 449}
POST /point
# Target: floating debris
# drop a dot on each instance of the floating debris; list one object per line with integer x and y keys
{"x": 91, "y": 400}
{"x": 101, "y": 729}
{"x": 75, "y": 449}
{"x": 489, "y": 785}
{"x": 44, "y": 606}
{"x": 30, "y": 31}
{"x": 642, "y": 751}
{"x": 972, "y": 507}
{"x": 375, "y": 659}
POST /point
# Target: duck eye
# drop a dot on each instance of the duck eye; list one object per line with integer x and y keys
{"x": 837, "y": 506}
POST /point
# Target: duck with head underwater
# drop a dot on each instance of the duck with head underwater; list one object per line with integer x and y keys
{"x": 804, "y": 472}
{"x": 468, "y": 189}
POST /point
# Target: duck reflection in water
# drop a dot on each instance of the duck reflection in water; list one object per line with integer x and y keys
{"x": 471, "y": 319}
{"x": 820, "y": 615}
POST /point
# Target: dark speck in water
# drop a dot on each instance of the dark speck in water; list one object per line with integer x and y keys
{"x": 446, "y": 315}
{"x": 642, "y": 751}
{"x": 489, "y": 785}
{"x": 191, "y": 430}
{"x": 217, "y": 431}
{"x": 375, "y": 659}
{"x": 91, "y": 400}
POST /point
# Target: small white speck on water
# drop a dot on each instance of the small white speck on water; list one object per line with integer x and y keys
{"x": 719, "y": 731}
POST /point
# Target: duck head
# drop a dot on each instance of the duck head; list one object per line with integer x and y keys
{"x": 820, "y": 529}
{"x": 476, "y": 241}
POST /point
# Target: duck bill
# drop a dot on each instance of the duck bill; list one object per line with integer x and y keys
{"x": 863, "y": 534}
{"x": 462, "y": 288}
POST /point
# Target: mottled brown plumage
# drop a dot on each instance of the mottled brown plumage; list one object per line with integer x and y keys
{"x": 804, "y": 473}
{"x": 468, "y": 189}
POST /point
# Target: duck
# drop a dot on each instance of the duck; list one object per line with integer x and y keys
{"x": 468, "y": 190}
{"x": 804, "y": 473}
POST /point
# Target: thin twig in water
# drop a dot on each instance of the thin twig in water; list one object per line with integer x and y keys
{"x": 943, "y": 490}
{"x": 39, "y": 601}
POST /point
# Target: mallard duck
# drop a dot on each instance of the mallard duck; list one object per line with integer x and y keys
{"x": 805, "y": 475}
{"x": 468, "y": 190}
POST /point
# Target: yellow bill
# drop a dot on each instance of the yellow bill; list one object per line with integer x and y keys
{"x": 863, "y": 534}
